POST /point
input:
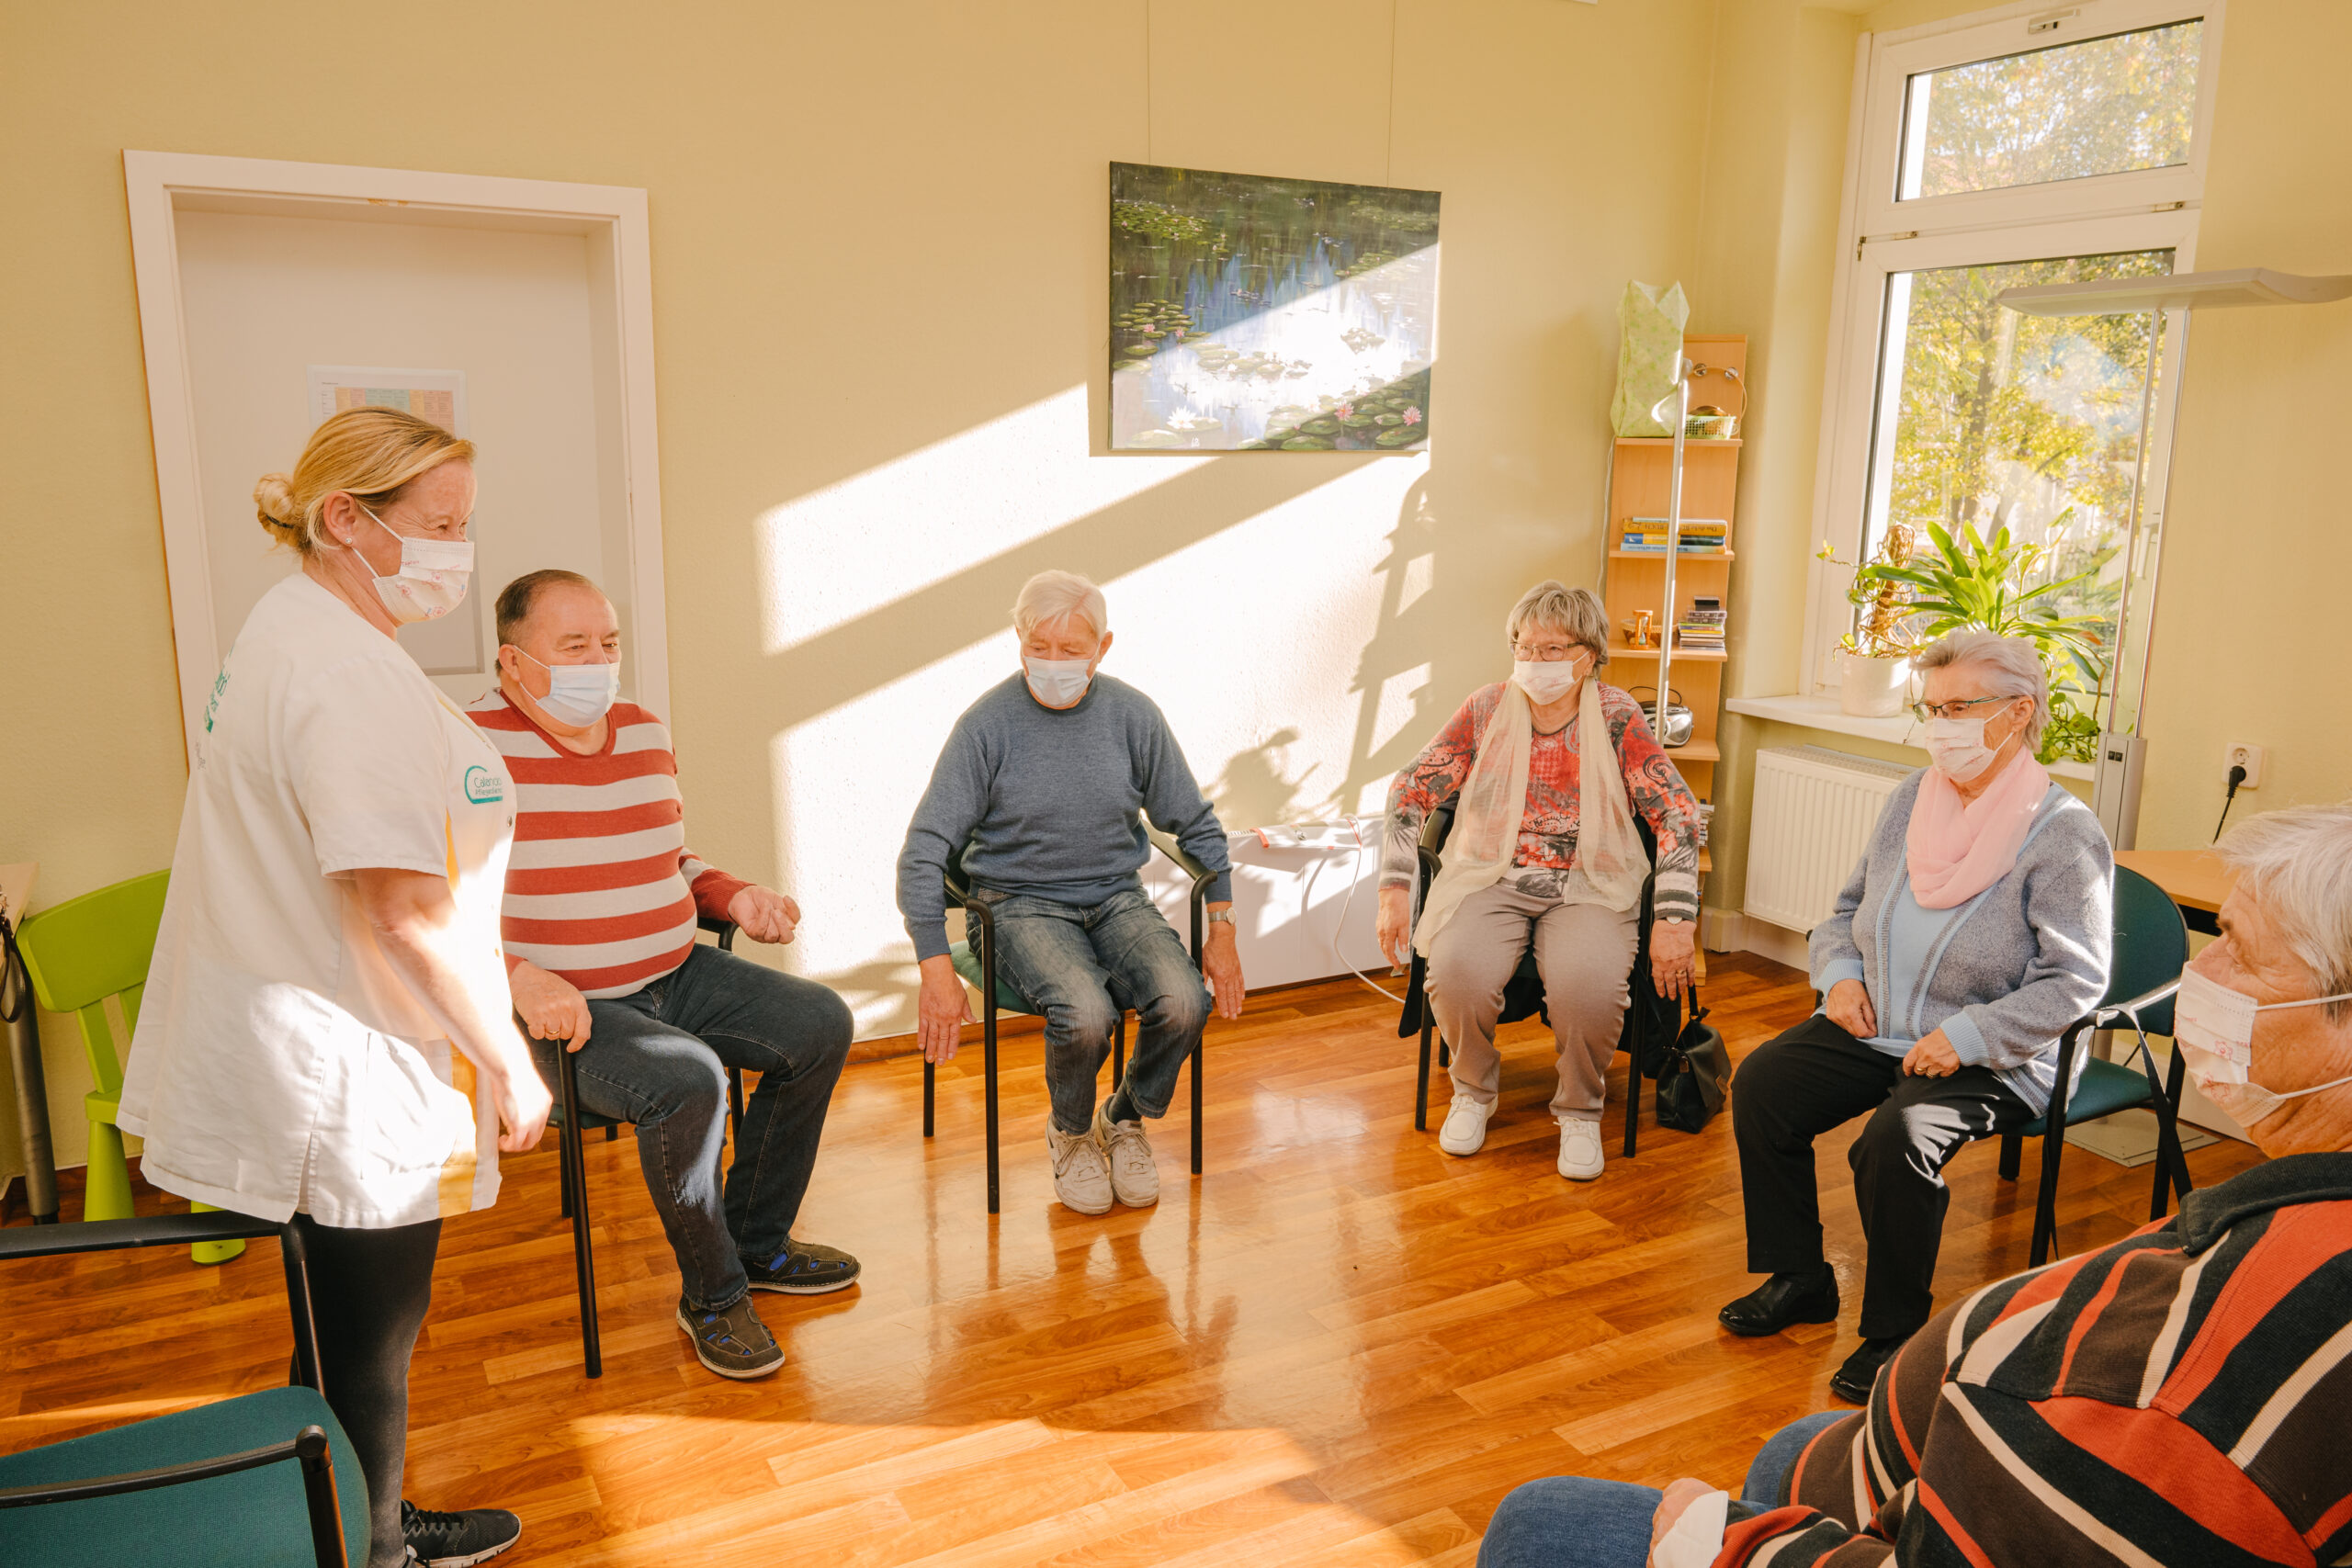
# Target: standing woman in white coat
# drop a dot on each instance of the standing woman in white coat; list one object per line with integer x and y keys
{"x": 325, "y": 1032}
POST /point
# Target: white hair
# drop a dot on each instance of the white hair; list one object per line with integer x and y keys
{"x": 1574, "y": 612}
{"x": 2009, "y": 667}
{"x": 2297, "y": 864}
{"x": 1050, "y": 595}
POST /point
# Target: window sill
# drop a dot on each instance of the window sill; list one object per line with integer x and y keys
{"x": 1822, "y": 713}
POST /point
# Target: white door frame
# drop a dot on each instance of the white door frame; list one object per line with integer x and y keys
{"x": 613, "y": 218}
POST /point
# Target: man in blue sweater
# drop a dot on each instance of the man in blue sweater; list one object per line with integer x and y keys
{"x": 1040, "y": 785}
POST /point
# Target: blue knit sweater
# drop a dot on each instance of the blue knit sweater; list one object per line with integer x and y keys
{"x": 2004, "y": 974}
{"x": 1048, "y": 802}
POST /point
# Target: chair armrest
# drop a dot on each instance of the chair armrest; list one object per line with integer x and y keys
{"x": 959, "y": 885}
{"x": 146, "y": 1230}
{"x": 1185, "y": 859}
{"x": 723, "y": 929}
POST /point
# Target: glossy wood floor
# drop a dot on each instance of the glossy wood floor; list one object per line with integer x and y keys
{"x": 1341, "y": 1346}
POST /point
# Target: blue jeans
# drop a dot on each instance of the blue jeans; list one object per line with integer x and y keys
{"x": 1567, "y": 1521}
{"x": 658, "y": 1058}
{"x": 1081, "y": 967}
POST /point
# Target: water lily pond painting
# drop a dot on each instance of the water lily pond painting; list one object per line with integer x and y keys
{"x": 1254, "y": 314}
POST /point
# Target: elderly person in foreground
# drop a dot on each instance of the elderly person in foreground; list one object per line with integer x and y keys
{"x": 1976, "y": 928}
{"x": 2176, "y": 1399}
{"x": 1543, "y": 854}
{"x": 1040, "y": 787}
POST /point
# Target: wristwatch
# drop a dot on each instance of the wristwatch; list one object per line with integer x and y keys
{"x": 1221, "y": 917}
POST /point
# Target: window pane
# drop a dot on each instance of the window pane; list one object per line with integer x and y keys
{"x": 1989, "y": 419}
{"x": 2102, "y": 107}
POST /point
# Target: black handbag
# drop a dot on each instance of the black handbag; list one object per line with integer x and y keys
{"x": 1696, "y": 1073}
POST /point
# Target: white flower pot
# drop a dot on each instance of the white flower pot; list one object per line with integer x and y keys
{"x": 1872, "y": 688}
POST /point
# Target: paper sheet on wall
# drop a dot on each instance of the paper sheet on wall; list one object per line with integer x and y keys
{"x": 452, "y": 645}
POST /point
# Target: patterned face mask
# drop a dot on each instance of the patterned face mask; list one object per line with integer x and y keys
{"x": 432, "y": 578}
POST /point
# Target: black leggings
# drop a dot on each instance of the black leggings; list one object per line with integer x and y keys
{"x": 369, "y": 1289}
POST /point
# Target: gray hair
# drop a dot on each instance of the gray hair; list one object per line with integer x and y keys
{"x": 1050, "y": 595}
{"x": 2298, "y": 864}
{"x": 2009, "y": 667}
{"x": 1575, "y": 612}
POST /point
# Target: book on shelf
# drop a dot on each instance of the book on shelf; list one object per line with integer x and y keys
{"x": 1701, "y": 627}
{"x": 1699, "y": 535}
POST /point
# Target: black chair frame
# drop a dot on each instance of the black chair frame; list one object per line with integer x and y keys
{"x": 308, "y": 1448}
{"x": 2171, "y": 1163}
{"x": 1429, "y": 853}
{"x": 980, "y": 917}
{"x": 571, "y": 1167}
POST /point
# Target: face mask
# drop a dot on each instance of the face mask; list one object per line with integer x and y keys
{"x": 1958, "y": 746}
{"x": 432, "y": 578}
{"x": 1547, "y": 681}
{"x": 2215, "y": 1026}
{"x": 1058, "y": 682}
{"x": 578, "y": 694}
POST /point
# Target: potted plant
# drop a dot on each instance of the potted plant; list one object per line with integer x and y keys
{"x": 1875, "y": 659}
{"x": 1970, "y": 582}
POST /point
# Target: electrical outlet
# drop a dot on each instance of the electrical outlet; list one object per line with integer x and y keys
{"x": 2238, "y": 754}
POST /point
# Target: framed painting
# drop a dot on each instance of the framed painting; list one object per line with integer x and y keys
{"x": 1256, "y": 314}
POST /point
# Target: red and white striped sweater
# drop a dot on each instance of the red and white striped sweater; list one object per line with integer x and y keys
{"x": 601, "y": 888}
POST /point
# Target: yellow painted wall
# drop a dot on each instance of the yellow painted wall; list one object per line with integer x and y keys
{"x": 878, "y": 234}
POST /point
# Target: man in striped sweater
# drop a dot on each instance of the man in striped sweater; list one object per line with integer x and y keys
{"x": 602, "y": 902}
{"x": 2178, "y": 1398}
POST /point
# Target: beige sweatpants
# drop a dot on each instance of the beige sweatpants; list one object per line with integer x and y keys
{"x": 1582, "y": 951}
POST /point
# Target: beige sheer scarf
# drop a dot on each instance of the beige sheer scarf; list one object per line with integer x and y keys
{"x": 1609, "y": 865}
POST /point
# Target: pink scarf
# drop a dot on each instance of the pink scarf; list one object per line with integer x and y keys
{"x": 1956, "y": 851}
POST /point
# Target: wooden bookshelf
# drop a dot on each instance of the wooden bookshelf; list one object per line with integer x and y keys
{"x": 1641, "y": 472}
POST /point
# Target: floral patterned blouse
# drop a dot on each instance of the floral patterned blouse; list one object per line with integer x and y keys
{"x": 1547, "y": 832}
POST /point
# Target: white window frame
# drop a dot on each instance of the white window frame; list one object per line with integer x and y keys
{"x": 1879, "y": 236}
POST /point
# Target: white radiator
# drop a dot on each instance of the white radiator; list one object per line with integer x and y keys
{"x": 1814, "y": 809}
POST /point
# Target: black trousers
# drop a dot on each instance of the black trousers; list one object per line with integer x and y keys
{"x": 369, "y": 1289}
{"x": 1793, "y": 1088}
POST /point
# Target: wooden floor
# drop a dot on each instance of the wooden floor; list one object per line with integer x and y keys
{"x": 1341, "y": 1346}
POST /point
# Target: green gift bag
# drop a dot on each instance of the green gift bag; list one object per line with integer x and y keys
{"x": 1649, "y": 358}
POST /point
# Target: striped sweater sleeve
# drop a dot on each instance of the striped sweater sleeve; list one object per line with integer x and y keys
{"x": 2163, "y": 1402}
{"x": 601, "y": 888}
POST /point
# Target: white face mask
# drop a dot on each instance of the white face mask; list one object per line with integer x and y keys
{"x": 1958, "y": 746}
{"x": 1547, "y": 681}
{"x": 1058, "y": 683}
{"x": 432, "y": 578}
{"x": 578, "y": 694}
{"x": 2214, "y": 1025}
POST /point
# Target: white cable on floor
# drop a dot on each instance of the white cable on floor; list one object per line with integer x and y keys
{"x": 1346, "y": 903}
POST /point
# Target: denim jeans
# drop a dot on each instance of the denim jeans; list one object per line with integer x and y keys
{"x": 1568, "y": 1521}
{"x": 658, "y": 1057}
{"x": 1081, "y": 967}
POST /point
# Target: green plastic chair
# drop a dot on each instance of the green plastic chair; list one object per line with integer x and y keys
{"x": 2150, "y": 950}
{"x": 88, "y": 957}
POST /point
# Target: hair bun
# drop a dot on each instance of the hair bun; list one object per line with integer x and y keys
{"x": 274, "y": 498}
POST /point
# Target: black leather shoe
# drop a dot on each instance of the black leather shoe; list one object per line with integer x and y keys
{"x": 1860, "y": 1374}
{"x": 1783, "y": 1300}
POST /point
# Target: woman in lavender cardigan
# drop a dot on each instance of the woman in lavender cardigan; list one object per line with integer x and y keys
{"x": 1977, "y": 927}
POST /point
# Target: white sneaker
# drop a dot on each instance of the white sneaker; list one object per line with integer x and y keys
{"x": 1135, "y": 1178}
{"x": 1082, "y": 1175}
{"x": 1465, "y": 1131}
{"x": 1580, "y": 1156}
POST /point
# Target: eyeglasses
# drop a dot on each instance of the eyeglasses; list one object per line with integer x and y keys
{"x": 1923, "y": 712}
{"x": 1545, "y": 653}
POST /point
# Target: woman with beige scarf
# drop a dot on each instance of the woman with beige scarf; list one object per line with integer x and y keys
{"x": 1542, "y": 857}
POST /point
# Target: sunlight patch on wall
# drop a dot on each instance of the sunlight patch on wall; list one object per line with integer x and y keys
{"x": 846, "y": 551}
{"x": 1397, "y": 705}
{"x": 1251, "y": 641}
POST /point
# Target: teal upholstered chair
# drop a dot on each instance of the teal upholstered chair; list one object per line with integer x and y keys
{"x": 243, "y": 1482}
{"x": 974, "y": 960}
{"x": 2150, "y": 950}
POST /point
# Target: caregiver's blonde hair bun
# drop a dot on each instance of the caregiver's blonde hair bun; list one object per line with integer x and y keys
{"x": 371, "y": 453}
